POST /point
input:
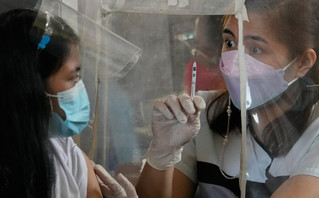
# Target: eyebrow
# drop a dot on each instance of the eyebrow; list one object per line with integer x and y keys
{"x": 256, "y": 38}
{"x": 227, "y": 31}
{"x": 252, "y": 37}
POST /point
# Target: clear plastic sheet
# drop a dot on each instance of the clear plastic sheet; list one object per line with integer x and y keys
{"x": 281, "y": 124}
{"x": 168, "y": 43}
{"x": 167, "y": 38}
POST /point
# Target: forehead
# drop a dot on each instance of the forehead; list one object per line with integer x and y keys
{"x": 258, "y": 25}
{"x": 72, "y": 61}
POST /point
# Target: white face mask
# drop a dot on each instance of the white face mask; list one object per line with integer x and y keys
{"x": 264, "y": 82}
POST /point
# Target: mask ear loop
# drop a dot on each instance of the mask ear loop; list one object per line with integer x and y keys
{"x": 286, "y": 67}
{"x": 51, "y": 106}
{"x": 49, "y": 96}
{"x": 289, "y": 64}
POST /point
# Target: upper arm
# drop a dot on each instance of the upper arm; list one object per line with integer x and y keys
{"x": 300, "y": 186}
{"x": 93, "y": 188}
{"x": 182, "y": 185}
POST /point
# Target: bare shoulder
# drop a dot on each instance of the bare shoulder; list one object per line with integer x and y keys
{"x": 93, "y": 188}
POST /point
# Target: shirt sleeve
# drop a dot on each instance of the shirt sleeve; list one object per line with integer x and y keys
{"x": 309, "y": 164}
{"x": 70, "y": 168}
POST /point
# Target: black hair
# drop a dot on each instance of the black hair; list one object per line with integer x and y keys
{"x": 26, "y": 163}
{"x": 301, "y": 19}
{"x": 16, "y": 4}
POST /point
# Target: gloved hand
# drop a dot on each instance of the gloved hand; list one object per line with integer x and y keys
{"x": 111, "y": 188}
{"x": 175, "y": 122}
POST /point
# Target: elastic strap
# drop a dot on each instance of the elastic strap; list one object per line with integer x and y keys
{"x": 242, "y": 15}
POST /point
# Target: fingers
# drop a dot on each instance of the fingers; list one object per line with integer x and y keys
{"x": 161, "y": 108}
{"x": 174, "y": 104}
{"x": 127, "y": 185}
{"x": 108, "y": 184}
{"x": 192, "y": 106}
{"x": 199, "y": 103}
{"x": 179, "y": 107}
{"x": 170, "y": 108}
{"x": 187, "y": 103}
{"x": 105, "y": 190}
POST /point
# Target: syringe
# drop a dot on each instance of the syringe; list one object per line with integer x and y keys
{"x": 193, "y": 87}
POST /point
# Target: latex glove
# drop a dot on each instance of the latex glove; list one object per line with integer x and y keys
{"x": 111, "y": 188}
{"x": 175, "y": 122}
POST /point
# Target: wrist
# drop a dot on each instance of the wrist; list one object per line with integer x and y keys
{"x": 162, "y": 159}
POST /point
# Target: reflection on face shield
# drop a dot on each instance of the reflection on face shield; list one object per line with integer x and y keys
{"x": 264, "y": 82}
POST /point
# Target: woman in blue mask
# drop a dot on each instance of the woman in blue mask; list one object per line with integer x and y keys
{"x": 45, "y": 103}
{"x": 33, "y": 165}
{"x": 281, "y": 48}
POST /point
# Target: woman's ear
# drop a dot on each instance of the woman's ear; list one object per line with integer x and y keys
{"x": 307, "y": 61}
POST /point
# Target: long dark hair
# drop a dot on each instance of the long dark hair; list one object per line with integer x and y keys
{"x": 297, "y": 27}
{"x": 26, "y": 164}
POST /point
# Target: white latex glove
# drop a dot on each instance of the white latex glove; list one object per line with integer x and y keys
{"x": 111, "y": 188}
{"x": 175, "y": 122}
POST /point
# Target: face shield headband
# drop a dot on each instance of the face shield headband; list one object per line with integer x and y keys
{"x": 47, "y": 33}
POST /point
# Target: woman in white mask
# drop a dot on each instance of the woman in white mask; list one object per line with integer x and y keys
{"x": 281, "y": 47}
{"x": 45, "y": 103}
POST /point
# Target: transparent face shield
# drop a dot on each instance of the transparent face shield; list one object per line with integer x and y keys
{"x": 103, "y": 54}
{"x": 276, "y": 91}
{"x": 115, "y": 55}
{"x": 279, "y": 90}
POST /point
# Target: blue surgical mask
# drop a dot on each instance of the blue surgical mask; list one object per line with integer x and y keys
{"x": 75, "y": 103}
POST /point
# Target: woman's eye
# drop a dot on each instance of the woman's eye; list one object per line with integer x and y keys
{"x": 230, "y": 43}
{"x": 255, "y": 50}
{"x": 75, "y": 78}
